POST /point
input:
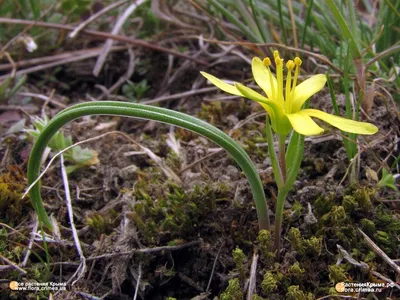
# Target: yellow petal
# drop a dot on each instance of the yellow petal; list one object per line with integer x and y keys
{"x": 306, "y": 89}
{"x": 231, "y": 89}
{"x": 251, "y": 94}
{"x": 262, "y": 77}
{"x": 341, "y": 123}
{"x": 303, "y": 124}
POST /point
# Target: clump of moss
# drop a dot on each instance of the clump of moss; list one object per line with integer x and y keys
{"x": 166, "y": 211}
{"x": 240, "y": 262}
{"x": 363, "y": 197}
{"x": 297, "y": 210}
{"x": 335, "y": 217}
{"x": 296, "y": 271}
{"x": 256, "y": 297}
{"x": 385, "y": 221}
{"x": 102, "y": 223}
{"x": 337, "y": 274}
{"x": 324, "y": 204}
{"x": 349, "y": 204}
{"x": 301, "y": 245}
{"x": 313, "y": 245}
{"x": 294, "y": 293}
{"x": 12, "y": 185}
{"x": 368, "y": 226}
{"x": 264, "y": 241}
{"x": 233, "y": 291}
{"x": 269, "y": 283}
{"x": 296, "y": 240}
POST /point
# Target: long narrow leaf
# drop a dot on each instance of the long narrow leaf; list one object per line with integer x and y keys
{"x": 149, "y": 113}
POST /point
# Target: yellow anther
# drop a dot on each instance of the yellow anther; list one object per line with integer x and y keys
{"x": 278, "y": 61}
{"x": 290, "y": 65}
{"x": 267, "y": 62}
{"x": 276, "y": 54}
{"x": 297, "y": 61}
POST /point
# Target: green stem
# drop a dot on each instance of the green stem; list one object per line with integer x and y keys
{"x": 149, "y": 113}
{"x": 282, "y": 156}
{"x": 272, "y": 155}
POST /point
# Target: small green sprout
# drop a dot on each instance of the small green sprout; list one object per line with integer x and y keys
{"x": 77, "y": 156}
{"x": 388, "y": 180}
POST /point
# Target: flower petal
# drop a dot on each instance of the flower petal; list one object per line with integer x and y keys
{"x": 231, "y": 89}
{"x": 306, "y": 89}
{"x": 262, "y": 77}
{"x": 342, "y": 123}
{"x": 303, "y": 124}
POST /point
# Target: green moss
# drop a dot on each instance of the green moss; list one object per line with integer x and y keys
{"x": 296, "y": 240}
{"x": 12, "y": 185}
{"x": 233, "y": 291}
{"x": 336, "y": 216}
{"x": 385, "y": 221}
{"x": 240, "y": 262}
{"x": 166, "y": 211}
{"x": 256, "y": 297}
{"x": 264, "y": 241}
{"x": 294, "y": 293}
{"x": 363, "y": 197}
{"x": 337, "y": 274}
{"x": 349, "y": 203}
{"x": 324, "y": 204}
{"x": 368, "y": 226}
{"x": 269, "y": 283}
{"x": 296, "y": 271}
{"x": 102, "y": 223}
{"x": 313, "y": 245}
{"x": 297, "y": 210}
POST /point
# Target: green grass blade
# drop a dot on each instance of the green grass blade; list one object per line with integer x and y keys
{"x": 345, "y": 29}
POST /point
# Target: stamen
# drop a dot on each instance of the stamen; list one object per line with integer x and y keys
{"x": 276, "y": 54}
{"x": 279, "y": 73}
{"x": 289, "y": 65}
{"x": 297, "y": 62}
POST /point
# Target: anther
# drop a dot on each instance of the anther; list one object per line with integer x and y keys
{"x": 297, "y": 61}
{"x": 276, "y": 54}
{"x": 278, "y": 61}
{"x": 267, "y": 62}
{"x": 290, "y": 65}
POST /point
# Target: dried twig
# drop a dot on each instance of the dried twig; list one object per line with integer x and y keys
{"x": 213, "y": 267}
{"x": 80, "y": 272}
{"x": 146, "y": 250}
{"x": 95, "y": 17}
{"x": 253, "y": 273}
{"x": 28, "y": 250}
{"x": 60, "y": 62}
{"x": 107, "y": 45}
{"x": 138, "y": 281}
{"x": 379, "y": 251}
{"x": 104, "y": 35}
{"x": 15, "y": 266}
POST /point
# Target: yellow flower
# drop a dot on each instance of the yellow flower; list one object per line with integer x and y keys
{"x": 284, "y": 104}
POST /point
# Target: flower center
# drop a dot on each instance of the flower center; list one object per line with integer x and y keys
{"x": 277, "y": 91}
